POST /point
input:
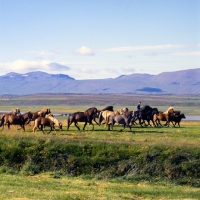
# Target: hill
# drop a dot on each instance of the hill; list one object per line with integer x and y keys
{"x": 179, "y": 82}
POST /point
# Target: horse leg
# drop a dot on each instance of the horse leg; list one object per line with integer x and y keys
{"x": 51, "y": 128}
{"x": 92, "y": 126}
{"x": 69, "y": 122}
{"x": 8, "y": 125}
{"x": 23, "y": 126}
{"x": 158, "y": 122}
{"x": 108, "y": 127}
{"x": 85, "y": 126}
{"x": 42, "y": 129}
{"x": 113, "y": 123}
{"x": 140, "y": 122}
{"x": 34, "y": 128}
{"x": 124, "y": 126}
{"x": 75, "y": 123}
{"x": 130, "y": 128}
{"x": 96, "y": 122}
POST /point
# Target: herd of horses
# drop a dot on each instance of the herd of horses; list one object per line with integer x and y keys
{"x": 144, "y": 117}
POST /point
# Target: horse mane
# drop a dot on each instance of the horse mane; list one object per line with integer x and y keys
{"x": 16, "y": 110}
{"x": 44, "y": 110}
{"x": 167, "y": 111}
{"x": 110, "y": 108}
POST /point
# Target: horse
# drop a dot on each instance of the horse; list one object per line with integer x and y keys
{"x": 163, "y": 116}
{"x": 41, "y": 113}
{"x": 148, "y": 116}
{"x": 48, "y": 120}
{"x": 87, "y": 117}
{"x": 122, "y": 110}
{"x": 14, "y": 111}
{"x": 110, "y": 108}
{"x": 20, "y": 119}
{"x": 56, "y": 121}
{"x": 176, "y": 118}
{"x": 144, "y": 113}
{"x": 104, "y": 113}
{"x": 40, "y": 122}
{"x": 123, "y": 119}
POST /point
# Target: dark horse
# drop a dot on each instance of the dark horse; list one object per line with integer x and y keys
{"x": 21, "y": 119}
{"x": 86, "y": 117}
{"x": 146, "y": 113}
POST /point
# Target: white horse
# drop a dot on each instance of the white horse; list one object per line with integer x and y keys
{"x": 54, "y": 120}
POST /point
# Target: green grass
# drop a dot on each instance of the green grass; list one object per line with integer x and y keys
{"x": 48, "y": 186}
{"x": 148, "y": 163}
{"x": 99, "y": 144}
{"x": 64, "y": 103}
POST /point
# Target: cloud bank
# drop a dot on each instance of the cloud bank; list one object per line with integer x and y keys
{"x": 143, "y": 48}
{"x": 24, "y": 66}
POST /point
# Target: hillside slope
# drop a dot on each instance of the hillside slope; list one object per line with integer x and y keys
{"x": 179, "y": 82}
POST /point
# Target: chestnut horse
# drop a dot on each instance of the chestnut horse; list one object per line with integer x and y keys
{"x": 49, "y": 120}
{"x": 14, "y": 111}
{"x": 163, "y": 116}
{"x": 20, "y": 119}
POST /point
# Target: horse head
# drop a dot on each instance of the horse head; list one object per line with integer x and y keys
{"x": 44, "y": 112}
{"x": 16, "y": 111}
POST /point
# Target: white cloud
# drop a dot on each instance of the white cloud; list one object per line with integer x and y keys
{"x": 24, "y": 66}
{"x": 84, "y": 51}
{"x": 88, "y": 71}
{"x": 143, "y": 48}
{"x": 128, "y": 69}
{"x": 195, "y": 53}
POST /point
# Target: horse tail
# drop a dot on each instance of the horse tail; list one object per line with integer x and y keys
{"x": 2, "y": 121}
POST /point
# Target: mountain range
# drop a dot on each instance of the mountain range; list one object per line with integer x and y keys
{"x": 178, "y": 82}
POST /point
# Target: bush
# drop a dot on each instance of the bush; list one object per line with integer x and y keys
{"x": 30, "y": 156}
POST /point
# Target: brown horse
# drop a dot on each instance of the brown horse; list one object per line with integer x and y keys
{"x": 49, "y": 120}
{"x": 21, "y": 120}
{"x": 14, "y": 111}
{"x": 163, "y": 116}
{"x": 87, "y": 117}
{"x": 41, "y": 122}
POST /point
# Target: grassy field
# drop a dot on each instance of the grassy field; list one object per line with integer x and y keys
{"x": 59, "y": 185}
{"x": 46, "y": 186}
{"x": 66, "y": 103}
{"x": 148, "y": 163}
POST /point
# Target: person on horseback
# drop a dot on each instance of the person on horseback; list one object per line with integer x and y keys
{"x": 138, "y": 106}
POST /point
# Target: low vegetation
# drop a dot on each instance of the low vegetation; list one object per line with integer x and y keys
{"x": 147, "y": 155}
{"x": 148, "y": 163}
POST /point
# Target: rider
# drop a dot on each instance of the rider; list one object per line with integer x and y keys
{"x": 138, "y": 106}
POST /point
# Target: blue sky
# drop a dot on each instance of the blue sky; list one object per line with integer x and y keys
{"x": 92, "y": 39}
